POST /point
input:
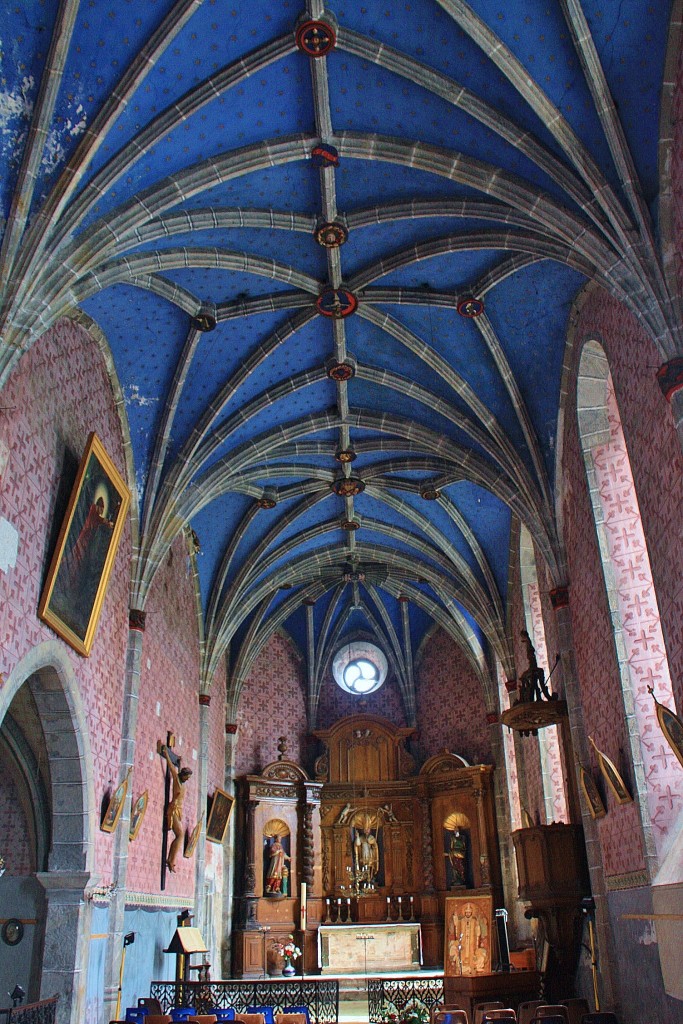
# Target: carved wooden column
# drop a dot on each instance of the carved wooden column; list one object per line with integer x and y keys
{"x": 249, "y": 882}
{"x": 427, "y": 848}
{"x": 483, "y": 834}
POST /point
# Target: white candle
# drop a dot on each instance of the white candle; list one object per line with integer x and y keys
{"x": 411, "y": 899}
{"x": 388, "y": 900}
{"x": 303, "y": 907}
{"x": 399, "y": 901}
{"x": 348, "y": 902}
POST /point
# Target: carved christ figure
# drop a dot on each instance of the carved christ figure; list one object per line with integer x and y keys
{"x": 174, "y": 810}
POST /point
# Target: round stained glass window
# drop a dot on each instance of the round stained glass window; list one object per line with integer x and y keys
{"x": 359, "y": 668}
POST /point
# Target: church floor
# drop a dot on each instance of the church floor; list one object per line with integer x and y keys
{"x": 353, "y": 1011}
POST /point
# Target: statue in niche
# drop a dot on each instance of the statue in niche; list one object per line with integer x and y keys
{"x": 532, "y": 684}
{"x": 366, "y": 854}
{"x": 456, "y": 852}
{"x": 277, "y": 872}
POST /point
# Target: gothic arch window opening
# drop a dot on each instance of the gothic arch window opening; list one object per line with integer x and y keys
{"x": 554, "y": 795}
{"x": 634, "y": 610}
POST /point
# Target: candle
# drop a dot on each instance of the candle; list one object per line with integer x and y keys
{"x": 339, "y": 902}
{"x": 399, "y": 901}
{"x": 302, "y": 923}
{"x": 388, "y": 900}
{"x": 348, "y": 902}
{"x": 411, "y": 899}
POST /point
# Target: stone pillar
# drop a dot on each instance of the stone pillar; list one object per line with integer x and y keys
{"x": 203, "y": 771}
{"x": 605, "y": 941}
{"x": 117, "y": 907}
{"x": 67, "y": 939}
{"x": 670, "y": 380}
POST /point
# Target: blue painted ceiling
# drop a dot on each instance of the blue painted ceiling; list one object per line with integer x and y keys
{"x": 163, "y": 179}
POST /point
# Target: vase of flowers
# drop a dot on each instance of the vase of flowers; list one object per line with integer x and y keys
{"x": 289, "y": 952}
{"x": 408, "y": 1015}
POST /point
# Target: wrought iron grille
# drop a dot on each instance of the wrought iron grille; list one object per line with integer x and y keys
{"x": 43, "y": 1012}
{"x": 321, "y": 996}
{"x": 394, "y": 995}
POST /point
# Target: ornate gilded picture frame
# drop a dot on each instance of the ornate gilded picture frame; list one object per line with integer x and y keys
{"x": 612, "y": 777}
{"x": 219, "y": 816}
{"x": 137, "y": 814}
{"x": 115, "y": 807}
{"x": 193, "y": 839}
{"x": 468, "y": 931}
{"x": 591, "y": 794}
{"x": 77, "y": 579}
{"x": 671, "y": 726}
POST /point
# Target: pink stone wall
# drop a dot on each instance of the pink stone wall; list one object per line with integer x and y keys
{"x": 43, "y": 413}
{"x": 656, "y": 462}
{"x": 168, "y": 702}
{"x": 451, "y": 713}
{"x": 272, "y": 704}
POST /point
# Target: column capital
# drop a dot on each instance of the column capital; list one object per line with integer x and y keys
{"x": 136, "y": 619}
{"x": 559, "y": 598}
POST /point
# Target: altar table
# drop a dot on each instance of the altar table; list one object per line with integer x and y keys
{"x": 369, "y": 948}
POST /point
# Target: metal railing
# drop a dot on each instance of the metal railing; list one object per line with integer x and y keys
{"x": 43, "y": 1012}
{"x": 395, "y": 995}
{"x": 320, "y": 996}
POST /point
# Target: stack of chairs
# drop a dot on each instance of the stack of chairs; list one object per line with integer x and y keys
{"x": 481, "y": 1008}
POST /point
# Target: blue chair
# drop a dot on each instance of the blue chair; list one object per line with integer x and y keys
{"x": 298, "y": 1009}
{"x": 267, "y": 1011}
{"x": 136, "y": 1014}
{"x": 183, "y": 1012}
{"x": 223, "y": 1013}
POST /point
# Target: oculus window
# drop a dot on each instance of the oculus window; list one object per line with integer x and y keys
{"x": 359, "y": 668}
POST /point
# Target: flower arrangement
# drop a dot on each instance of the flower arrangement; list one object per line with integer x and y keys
{"x": 288, "y": 950}
{"x": 408, "y": 1015}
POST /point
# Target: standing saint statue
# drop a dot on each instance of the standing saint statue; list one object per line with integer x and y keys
{"x": 366, "y": 854}
{"x": 276, "y": 868}
{"x": 457, "y": 857}
{"x": 174, "y": 811}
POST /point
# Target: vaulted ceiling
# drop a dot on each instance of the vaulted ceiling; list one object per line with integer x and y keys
{"x": 333, "y": 251}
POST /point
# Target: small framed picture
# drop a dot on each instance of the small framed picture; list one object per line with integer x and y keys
{"x": 114, "y": 807}
{"x": 592, "y": 795}
{"x": 612, "y": 777}
{"x": 219, "y": 816}
{"x": 83, "y": 559}
{"x": 193, "y": 839}
{"x": 137, "y": 814}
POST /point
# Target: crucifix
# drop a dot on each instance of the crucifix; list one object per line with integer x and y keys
{"x": 174, "y": 794}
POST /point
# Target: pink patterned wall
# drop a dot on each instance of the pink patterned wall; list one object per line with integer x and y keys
{"x": 272, "y": 704}
{"x": 655, "y": 457}
{"x": 335, "y": 703}
{"x": 41, "y": 414}
{"x": 639, "y": 615}
{"x": 168, "y": 702}
{"x": 451, "y": 713}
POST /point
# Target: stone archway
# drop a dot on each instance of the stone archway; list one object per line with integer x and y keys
{"x": 49, "y": 675}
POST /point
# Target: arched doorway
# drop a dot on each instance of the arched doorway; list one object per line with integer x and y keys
{"x": 45, "y": 750}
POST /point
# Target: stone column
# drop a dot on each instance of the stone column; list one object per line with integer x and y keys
{"x": 670, "y": 379}
{"x": 67, "y": 939}
{"x": 203, "y": 780}
{"x": 129, "y": 720}
{"x": 605, "y": 941}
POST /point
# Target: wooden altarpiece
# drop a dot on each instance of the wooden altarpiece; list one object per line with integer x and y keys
{"x": 371, "y": 786}
{"x": 281, "y": 805}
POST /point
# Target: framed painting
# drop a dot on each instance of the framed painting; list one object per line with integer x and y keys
{"x": 137, "y": 814}
{"x": 467, "y": 930}
{"x": 592, "y": 795}
{"x": 219, "y": 816}
{"x": 115, "y": 806}
{"x": 76, "y": 582}
{"x": 612, "y": 777}
{"x": 193, "y": 839}
{"x": 671, "y": 726}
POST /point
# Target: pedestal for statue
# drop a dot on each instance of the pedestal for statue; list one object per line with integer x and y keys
{"x": 369, "y": 948}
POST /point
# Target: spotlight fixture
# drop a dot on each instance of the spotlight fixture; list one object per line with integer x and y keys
{"x": 345, "y": 455}
{"x": 348, "y": 486}
{"x": 429, "y": 492}
{"x": 350, "y": 525}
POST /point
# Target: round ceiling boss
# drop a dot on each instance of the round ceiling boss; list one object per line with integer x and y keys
{"x": 336, "y": 303}
{"x": 315, "y": 38}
